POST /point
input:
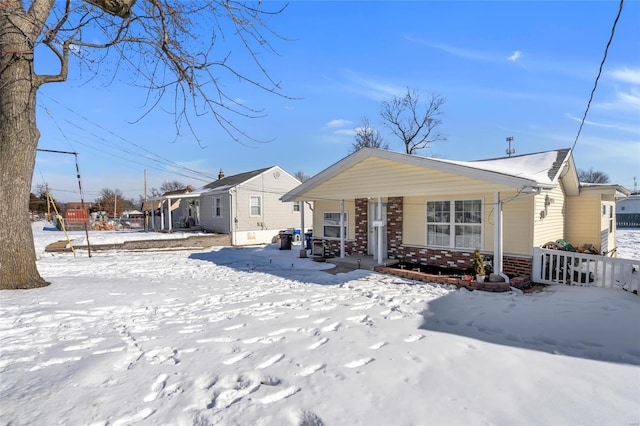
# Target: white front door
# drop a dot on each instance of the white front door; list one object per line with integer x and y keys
{"x": 374, "y": 231}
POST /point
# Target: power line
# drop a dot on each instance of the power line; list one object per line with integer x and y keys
{"x": 595, "y": 85}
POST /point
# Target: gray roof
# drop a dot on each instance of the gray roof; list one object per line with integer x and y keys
{"x": 231, "y": 181}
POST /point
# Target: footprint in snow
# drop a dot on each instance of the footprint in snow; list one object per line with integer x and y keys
{"x": 359, "y": 362}
{"x": 235, "y": 327}
{"x": 238, "y": 357}
{"x": 156, "y": 388}
{"x": 138, "y": 417}
{"x": 331, "y": 327}
{"x": 309, "y": 370}
{"x": 317, "y": 344}
{"x": 305, "y": 418}
{"x": 269, "y": 362}
{"x": 378, "y": 345}
{"x": 277, "y": 396}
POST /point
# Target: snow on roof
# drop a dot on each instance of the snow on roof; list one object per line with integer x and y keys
{"x": 541, "y": 167}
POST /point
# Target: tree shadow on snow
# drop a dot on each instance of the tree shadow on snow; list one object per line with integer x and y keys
{"x": 271, "y": 260}
{"x": 591, "y": 323}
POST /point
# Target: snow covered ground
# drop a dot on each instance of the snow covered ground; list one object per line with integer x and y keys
{"x": 260, "y": 336}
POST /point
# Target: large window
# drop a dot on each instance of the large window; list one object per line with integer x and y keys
{"x": 217, "y": 207}
{"x": 331, "y": 225}
{"x": 255, "y": 204}
{"x": 454, "y": 224}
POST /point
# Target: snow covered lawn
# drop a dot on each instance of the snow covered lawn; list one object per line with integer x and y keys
{"x": 259, "y": 336}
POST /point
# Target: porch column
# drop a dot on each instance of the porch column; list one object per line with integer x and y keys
{"x": 162, "y": 215}
{"x": 497, "y": 234}
{"x": 380, "y": 225}
{"x": 153, "y": 216}
{"x": 342, "y": 236}
{"x": 303, "y": 250}
{"x": 169, "y": 214}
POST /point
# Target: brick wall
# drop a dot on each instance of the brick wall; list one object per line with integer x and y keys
{"x": 517, "y": 265}
{"x": 362, "y": 228}
{"x": 394, "y": 225}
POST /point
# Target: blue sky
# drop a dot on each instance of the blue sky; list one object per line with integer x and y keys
{"x": 520, "y": 69}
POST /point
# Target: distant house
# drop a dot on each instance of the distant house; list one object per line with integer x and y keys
{"x": 433, "y": 211}
{"x": 246, "y": 206}
{"x": 176, "y": 209}
{"x": 628, "y": 212}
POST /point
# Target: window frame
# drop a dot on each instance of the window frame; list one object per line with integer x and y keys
{"x": 251, "y": 206}
{"x": 217, "y": 206}
{"x": 455, "y": 221}
{"x": 325, "y": 225}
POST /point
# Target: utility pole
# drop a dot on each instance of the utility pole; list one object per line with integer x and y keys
{"x": 510, "y": 150}
{"x": 144, "y": 206}
{"x": 46, "y": 186}
{"x": 115, "y": 204}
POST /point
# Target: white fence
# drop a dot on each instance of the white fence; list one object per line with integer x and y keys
{"x": 565, "y": 267}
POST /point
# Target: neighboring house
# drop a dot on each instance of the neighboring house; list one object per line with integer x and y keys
{"x": 628, "y": 212}
{"x": 432, "y": 211}
{"x": 176, "y": 209}
{"x": 247, "y": 206}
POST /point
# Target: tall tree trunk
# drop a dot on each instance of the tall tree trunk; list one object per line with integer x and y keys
{"x": 18, "y": 142}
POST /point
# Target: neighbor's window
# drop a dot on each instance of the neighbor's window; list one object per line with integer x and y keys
{"x": 217, "y": 207}
{"x": 255, "y": 203}
{"x": 460, "y": 219}
{"x": 296, "y": 206}
{"x": 331, "y": 224}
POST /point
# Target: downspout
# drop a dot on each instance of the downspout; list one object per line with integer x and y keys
{"x": 498, "y": 250}
{"x": 232, "y": 231}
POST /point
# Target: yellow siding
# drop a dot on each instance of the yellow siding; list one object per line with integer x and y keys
{"x": 320, "y": 207}
{"x": 517, "y": 229}
{"x": 585, "y": 213}
{"x": 391, "y": 181}
{"x": 549, "y": 219}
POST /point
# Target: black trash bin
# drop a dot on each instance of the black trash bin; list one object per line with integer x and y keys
{"x": 307, "y": 240}
{"x": 285, "y": 240}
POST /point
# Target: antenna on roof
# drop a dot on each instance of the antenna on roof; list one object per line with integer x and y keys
{"x": 510, "y": 150}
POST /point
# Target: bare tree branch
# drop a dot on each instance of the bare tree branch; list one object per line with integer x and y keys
{"x": 416, "y": 129}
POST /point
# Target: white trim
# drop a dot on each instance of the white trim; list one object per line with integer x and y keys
{"x": 469, "y": 169}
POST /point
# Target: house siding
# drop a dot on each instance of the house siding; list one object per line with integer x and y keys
{"x": 391, "y": 181}
{"x": 548, "y": 219}
{"x": 587, "y": 220}
{"x": 208, "y": 220}
{"x": 275, "y": 215}
{"x": 320, "y": 207}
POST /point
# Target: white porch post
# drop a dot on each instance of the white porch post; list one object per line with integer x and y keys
{"x": 497, "y": 234}
{"x": 169, "y": 214}
{"x": 342, "y": 236}
{"x": 380, "y": 230}
{"x": 162, "y": 215}
{"x": 153, "y": 216}
{"x": 303, "y": 250}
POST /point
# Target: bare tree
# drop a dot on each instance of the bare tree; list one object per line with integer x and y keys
{"x": 592, "y": 176}
{"x": 301, "y": 176}
{"x": 113, "y": 202}
{"x": 165, "y": 46}
{"x": 417, "y": 129}
{"x": 367, "y": 137}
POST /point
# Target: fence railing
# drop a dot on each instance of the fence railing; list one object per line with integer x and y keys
{"x": 565, "y": 267}
{"x": 628, "y": 220}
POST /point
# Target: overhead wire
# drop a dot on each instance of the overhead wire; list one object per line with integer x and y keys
{"x": 595, "y": 85}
